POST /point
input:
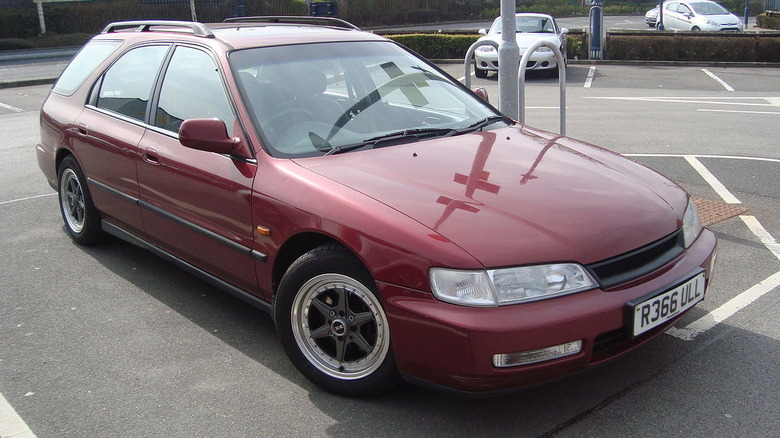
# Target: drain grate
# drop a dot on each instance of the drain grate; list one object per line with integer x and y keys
{"x": 712, "y": 212}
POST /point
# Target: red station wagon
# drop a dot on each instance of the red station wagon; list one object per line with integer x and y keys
{"x": 393, "y": 223}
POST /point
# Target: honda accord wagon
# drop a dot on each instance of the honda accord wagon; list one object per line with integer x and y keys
{"x": 392, "y": 222}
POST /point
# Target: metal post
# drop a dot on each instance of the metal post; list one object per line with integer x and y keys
{"x": 192, "y": 10}
{"x": 508, "y": 59}
{"x": 561, "y": 81}
{"x": 660, "y": 24}
{"x": 747, "y": 13}
{"x": 595, "y": 30}
{"x": 41, "y": 20}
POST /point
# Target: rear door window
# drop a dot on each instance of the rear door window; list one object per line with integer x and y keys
{"x": 127, "y": 85}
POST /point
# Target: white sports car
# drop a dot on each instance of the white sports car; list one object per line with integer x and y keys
{"x": 530, "y": 28}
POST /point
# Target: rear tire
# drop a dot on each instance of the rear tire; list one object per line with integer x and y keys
{"x": 332, "y": 325}
{"x": 82, "y": 221}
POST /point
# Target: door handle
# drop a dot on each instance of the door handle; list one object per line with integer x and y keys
{"x": 83, "y": 129}
{"x": 151, "y": 156}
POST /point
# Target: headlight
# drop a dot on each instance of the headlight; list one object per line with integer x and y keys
{"x": 691, "y": 224}
{"x": 498, "y": 287}
{"x": 712, "y": 23}
{"x": 486, "y": 49}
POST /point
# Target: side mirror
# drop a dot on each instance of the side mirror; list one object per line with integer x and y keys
{"x": 208, "y": 135}
{"x": 482, "y": 31}
{"x": 482, "y": 93}
{"x": 564, "y": 30}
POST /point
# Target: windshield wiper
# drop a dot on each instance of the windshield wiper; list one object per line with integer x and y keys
{"x": 416, "y": 133}
{"x": 479, "y": 124}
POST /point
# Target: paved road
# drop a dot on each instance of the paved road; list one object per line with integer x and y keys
{"x": 111, "y": 341}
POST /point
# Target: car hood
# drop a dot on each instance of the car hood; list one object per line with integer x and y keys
{"x": 524, "y": 40}
{"x": 516, "y": 196}
{"x": 721, "y": 19}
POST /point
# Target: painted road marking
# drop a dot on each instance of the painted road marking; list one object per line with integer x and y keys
{"x": 763, "y": 235}
{"x": 720, "y": 100}
{"x": 589, "y": 79}
{"x": 11, "y": 424}
{"x": 728, "y": 157}
{"x": 728, "y": 309}
{"x": 12, "y": 108}
{"x": 716, "y": 185}
{"x": 738, "y": 112}
{"x": 717, "y": 79}
{"x": 27, "y": 198}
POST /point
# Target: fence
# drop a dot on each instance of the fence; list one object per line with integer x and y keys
{"x": 90, "y": 16}
{"x": 772, "y": 5}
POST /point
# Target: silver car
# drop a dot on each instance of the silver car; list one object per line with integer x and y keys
{"x": 699, "y": 15}
{"x": 530, "y": 29}
{"x": 651, "y": 17}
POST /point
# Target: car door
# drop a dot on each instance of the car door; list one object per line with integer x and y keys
{"x": 685, "y": 16}
{"x": 670, "y": 20}
{"x": 109, "y": 130}
{"x": 196, "y": 204}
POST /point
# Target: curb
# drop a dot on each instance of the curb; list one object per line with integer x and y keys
{"x": 27, "y": 82}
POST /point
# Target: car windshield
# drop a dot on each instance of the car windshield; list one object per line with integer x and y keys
{"x": 708, "y": 8}
{"x": 314, "y": 99}
{"x": 526, "y": 24}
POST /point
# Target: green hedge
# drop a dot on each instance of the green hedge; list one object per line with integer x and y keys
{"x": 769, "y": 21}
{"x": 449, "y": 46}
{"x": 693, "y": 46}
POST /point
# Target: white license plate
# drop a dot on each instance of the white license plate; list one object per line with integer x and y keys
{"x": 661, "y": 308}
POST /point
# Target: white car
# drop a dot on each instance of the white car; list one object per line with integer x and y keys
{"x": 651, "y": 17}
{"x": 530, "y": 29}
{"x": 699, "y": 15}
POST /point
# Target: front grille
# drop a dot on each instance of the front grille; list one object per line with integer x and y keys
{"x": 637, "y": 263}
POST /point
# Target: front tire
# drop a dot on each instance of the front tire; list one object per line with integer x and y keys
{"x": 478, "y": 72}
{"x": 332, "y": 325}
{"x": 82, "y": 221}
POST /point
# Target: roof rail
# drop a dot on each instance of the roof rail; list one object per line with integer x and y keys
{"x": 294, "y": 19}
{"x": 198, "y": 29}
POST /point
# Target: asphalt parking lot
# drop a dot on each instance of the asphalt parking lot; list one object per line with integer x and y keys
{"x": 111, "y": 341}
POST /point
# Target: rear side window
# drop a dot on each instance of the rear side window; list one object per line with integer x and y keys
{"x": 83, "y": 64}
{"x": 128, "y": 83}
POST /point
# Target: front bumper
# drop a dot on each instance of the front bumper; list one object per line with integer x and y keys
{"x": 452, "y": 346}
{"x": 537, "y": 61}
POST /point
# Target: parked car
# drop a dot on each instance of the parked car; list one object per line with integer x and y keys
{"x": 700, "y": 15}
{"x": 530, "y": 29}
{"x": 651, "y": 17}
{"x": 393, "y": 223}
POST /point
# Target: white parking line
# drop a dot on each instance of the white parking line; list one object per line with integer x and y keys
{"x": 716, "y": 185}
{"x": 26, "y": 199}
{"x": 728, "y": 309}
{"x": 12, "y": 108}
{"x": 729, "y": 157}
{"x": 11, "y": 424}
{"x": 763, "y": 235}
{"x": 589, "y": 79}
{"x": 717, "y": 79}
{"x": 738, "y": 112}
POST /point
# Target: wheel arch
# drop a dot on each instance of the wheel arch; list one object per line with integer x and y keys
{"x": 299, "y": 245}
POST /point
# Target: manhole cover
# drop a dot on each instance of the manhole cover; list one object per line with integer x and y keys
{"x": 711, "y": 212}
